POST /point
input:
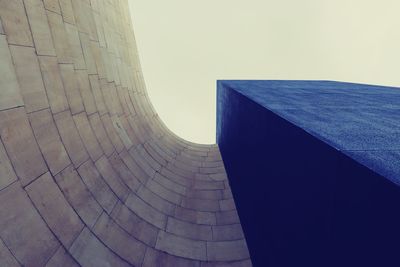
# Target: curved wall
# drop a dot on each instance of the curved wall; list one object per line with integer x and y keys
{"x": 89, "y": 175}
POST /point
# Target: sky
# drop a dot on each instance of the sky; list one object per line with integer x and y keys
{"x": 186, "y": 45}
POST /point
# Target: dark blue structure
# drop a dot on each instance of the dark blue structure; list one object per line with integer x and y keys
{"x": 314, "y": 167}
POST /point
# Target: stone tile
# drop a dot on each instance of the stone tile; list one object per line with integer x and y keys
{"x": 53, "y": 83}
{"x": 227, "y": 217}
{"x": 97, "y": 94}
{"x": 23, "y": 230}
{"x": 97, "y": 186}
{"x": 181, "y": 247}
{"x": 70, "y": 138}
{"x": 29, "y": 78}
{"x": 1, "y": 28}
{"x": 244, "y": 263}
{"x": 75, "y": 46}
{"x": 200, "y": 204}
{"x": 49, "y": 141}
{"x": 155, "y": 258}
{"x": 15, "y": 22}
{"x": 86, "y": 92}
{"x": 6, "y": 258}
{"x": 171, "y": 185}
{"x": 62, "y": 259}
{"x": 89, "y": 251}
{"x": 208, "y": 185}
{"x": 101, "y": 134}
{"x": 87, "y": 135}
{"x": 7, "y": 174}
{"x": 60, "y": 38}
{"x": 108, "y": 125}
{"x": 189, "y": 230}
{"x": 122, "y": 133}
{"x": 155, "y": 201}
{"x": 112, "y": 178}
{"x": 21, "y": 145}
{"x": 52, "y": 5}
{"x": 163, "y": 192}
{"x": 227, "y": 232}
{"x": 227, "y": 204}
{"x": 119, "y": 241}
{"x": 10, "y": 95}
{"x": 54, "y": 208}
{"x": 78, "y": 195}
{"x": 87, "y": 53}
{"x": 193, "y": 216}
{"x": 40, "y": 27}
{"x": 71, "y": 88}
{"x": 145, "y": 211}
{"x": 124, "y": 173}
{"x": 67, "y": 11}
{"x": 134, "y": 167}
{"x": 98, "y": 59}
{"x": 135, "y": 225}
{"x": 227, "y": 250}
{"x": 204, "y": 194}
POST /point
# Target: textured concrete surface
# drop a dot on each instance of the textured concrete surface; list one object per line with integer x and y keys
{"x": 89, "y": 175}
{"x": 298, "y": 157}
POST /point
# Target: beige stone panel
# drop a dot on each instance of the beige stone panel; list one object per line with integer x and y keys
{"x": 134, "y": 225}
{"x": 89, "y": 251}
{"x": 71, "y": 88}
{"x": 7, "y": 174}
{"x": 227, "y": 232}
{"x": 146, "y": 212}
{"x": 97, "y": 186}
{"x": 62, "y": 259}
{"x": 87, "y": 53}
{"x": 119, "y": 241}
{"x": 29, "y": 77}
{"x": 81, "y": 12}
{"x": 53, "y": 83}
{"x": 181, "y": 247}
{"x": 122, "y": 170}
{"x": 101, "y": 134}
{"x": 21, "y": 145}
{"x": 97, "y": 94}
{"x": 134, "y": 167}
{"x": 101, "y": 70}
{"x": 163, "y": 192}
{"x": 155, "y": 201}
{"x": 189, "y": 230}
{"x": 49, "y": 140}
{"x": 6, "y": 258}
{"x": 60, "y": 38}
{"x": 160, "y": 259}
{"x": 112, "y": 133}
{"x": 112, "y": 178}
{"x": 40, "y": 27}
{"x": 121, "y": 132}
{"x": 227, "y": 250}
{"x": 77, "y": 194}
{"x": 70, "y": 137}
{"x": 193, "y": 216}
{"x": 87, "y": 135}
{"x": 54, "y": 208}
{"x": 86, "y": 92}
{"x": 15, "y": 22}
{"x": 67, "y": 11}
{"x": 23, "y": 230}
{"x": 99, "y": 29}
{"x": 75, "y": 46}
{"x": 1, "y": 28}
{"x": 52, "y": 5}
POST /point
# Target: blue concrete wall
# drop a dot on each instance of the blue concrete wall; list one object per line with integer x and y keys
{"x": 302, "y": 197}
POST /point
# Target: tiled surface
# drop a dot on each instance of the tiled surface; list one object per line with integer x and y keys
{"x": 89, "y": 176}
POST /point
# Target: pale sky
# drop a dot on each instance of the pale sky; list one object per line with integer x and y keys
{"x": 186, "y": 45}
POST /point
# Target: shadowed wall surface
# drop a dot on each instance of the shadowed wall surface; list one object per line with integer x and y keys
{"x": 89, "y": 175}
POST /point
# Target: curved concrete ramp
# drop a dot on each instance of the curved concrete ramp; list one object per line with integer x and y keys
{"x": 89, "y": 175}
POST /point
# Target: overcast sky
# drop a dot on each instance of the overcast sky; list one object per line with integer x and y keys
{"x": 186, "y": 45}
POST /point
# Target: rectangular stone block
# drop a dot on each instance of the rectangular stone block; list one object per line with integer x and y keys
{"x": 87, "y": 135}
{"x": 155, "y": 201}
{"x": 79, "y": 196}
{"x": 124, "y": 173}
{"x": 52, "y": 5}
{"x": 15, "y": 22}
{"x": 67, "y": 11}
{"x": 6, "y": 258}
{"x": 49, "y": 140}
{"x": 97, "y": 94}
{"x": 101, "y": 134}
{"x": 40, "y": 27}
{"x": 71, "y": 88}
{"x": 29, "y": 77}
{"x": 54, "y": 208}
{"x": 7, "y": 174}
{"x": 227, "y": 250}
{"x": 156, "y": 258}
{"x": 75, "y": 46}
{"x": 70, "y": 137}
{"x": 21, "y": 145}
{"x": 189, "y": 230}
{"x": 53, "y": 84}
{"x": 182, "y": 247}
{"x": 97, "y": 186}
{"x": 60, "y": 38}
{"x": 23, "y": 230}
{"x": 86, "y": 91}
{"x": 10, "y": 91}
{"x": 87, "y": 53}
{"x": 62, "y": 259}
{"x": 89, "y": 251}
